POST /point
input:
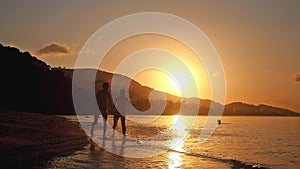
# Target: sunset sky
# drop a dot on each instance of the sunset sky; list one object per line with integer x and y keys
{"x": 257, "y": 41}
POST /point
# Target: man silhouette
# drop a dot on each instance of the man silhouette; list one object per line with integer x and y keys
{"x": 120, "y": 111}
{"x": 102, "y": 97}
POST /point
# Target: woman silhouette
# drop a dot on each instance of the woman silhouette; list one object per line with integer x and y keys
{"x": 120, "y": 111}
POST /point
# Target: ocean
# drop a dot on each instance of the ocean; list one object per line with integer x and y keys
{"x": 173, "y": 142}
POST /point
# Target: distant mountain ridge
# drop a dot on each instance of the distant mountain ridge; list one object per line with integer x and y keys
{"x": 139, "y": 96}
{"x": 29, "y": 84}
{"x": 243, "y": 109}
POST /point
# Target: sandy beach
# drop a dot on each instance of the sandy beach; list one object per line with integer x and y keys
{"x": 29, "y": 140}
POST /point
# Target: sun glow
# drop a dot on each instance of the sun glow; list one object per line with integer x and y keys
{"x": 162, "y": 80}
{"x": 159, "y": 80}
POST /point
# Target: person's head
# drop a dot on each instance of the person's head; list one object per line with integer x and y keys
{"x": 105, "y": 86}
{"x": 122, "y": 92}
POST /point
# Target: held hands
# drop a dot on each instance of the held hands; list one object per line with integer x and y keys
{"x": 113, "y": 110}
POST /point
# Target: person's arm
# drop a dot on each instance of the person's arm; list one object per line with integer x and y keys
{"x": 128, "y": 102}
{"x": 97, "y": 98}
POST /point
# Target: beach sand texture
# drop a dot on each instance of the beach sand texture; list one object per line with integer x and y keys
{"x": 28, "y": 139}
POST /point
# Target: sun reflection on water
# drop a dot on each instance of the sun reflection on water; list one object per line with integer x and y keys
{"x": 175, "y": 157}
{"x": 179, "y": 126}
{"x": 180, "y": 131}
{"x": 175, "y": 160}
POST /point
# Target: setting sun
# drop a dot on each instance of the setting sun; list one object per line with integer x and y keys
{"x": 159, "y": 80}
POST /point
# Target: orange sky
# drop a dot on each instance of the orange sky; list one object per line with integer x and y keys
{"x": 156, "y": 79}
{"x": 257, "y": 41}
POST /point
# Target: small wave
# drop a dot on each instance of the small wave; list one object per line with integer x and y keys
{"x": 236, "y": 164}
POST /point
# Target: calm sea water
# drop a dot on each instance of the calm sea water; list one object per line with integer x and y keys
{"x": 272, "y": 142}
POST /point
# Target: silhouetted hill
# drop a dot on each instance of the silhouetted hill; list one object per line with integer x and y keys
{"x": 243, "y": 109}
{"x": 29, "y": 84}
{"x": 139, "y": 95}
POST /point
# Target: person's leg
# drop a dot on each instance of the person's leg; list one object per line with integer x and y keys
{"x": 104, "y": 116}
{"x": 96, "y": 116}
{"x": 116, "y": 118}
{"x": 123, "y": 125}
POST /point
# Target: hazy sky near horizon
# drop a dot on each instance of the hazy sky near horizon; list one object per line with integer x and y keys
{"x": 258, "y": 41}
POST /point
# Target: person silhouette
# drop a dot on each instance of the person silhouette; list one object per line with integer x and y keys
{"x": 120, "y": 112}
{"x": 102, "y": 97}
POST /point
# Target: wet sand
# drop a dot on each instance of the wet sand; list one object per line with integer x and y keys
{"x": 29, "y": 140}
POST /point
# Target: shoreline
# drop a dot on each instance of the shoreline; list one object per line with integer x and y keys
{"x": 29, "y": 140}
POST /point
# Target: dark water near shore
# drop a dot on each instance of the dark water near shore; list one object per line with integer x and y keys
{"x": 272, "y": 142}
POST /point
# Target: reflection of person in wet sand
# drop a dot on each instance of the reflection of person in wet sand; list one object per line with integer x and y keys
{"x": 120, "y": 111}
{"x": 102, "y": 97}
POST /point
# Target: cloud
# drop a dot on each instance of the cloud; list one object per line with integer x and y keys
{"x": 88, "y": 51}
{"x": 53, "y": 49}
{"x": 297, "y": 79}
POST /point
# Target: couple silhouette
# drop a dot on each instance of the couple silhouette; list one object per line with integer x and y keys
{"x": 118, "y": 110}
